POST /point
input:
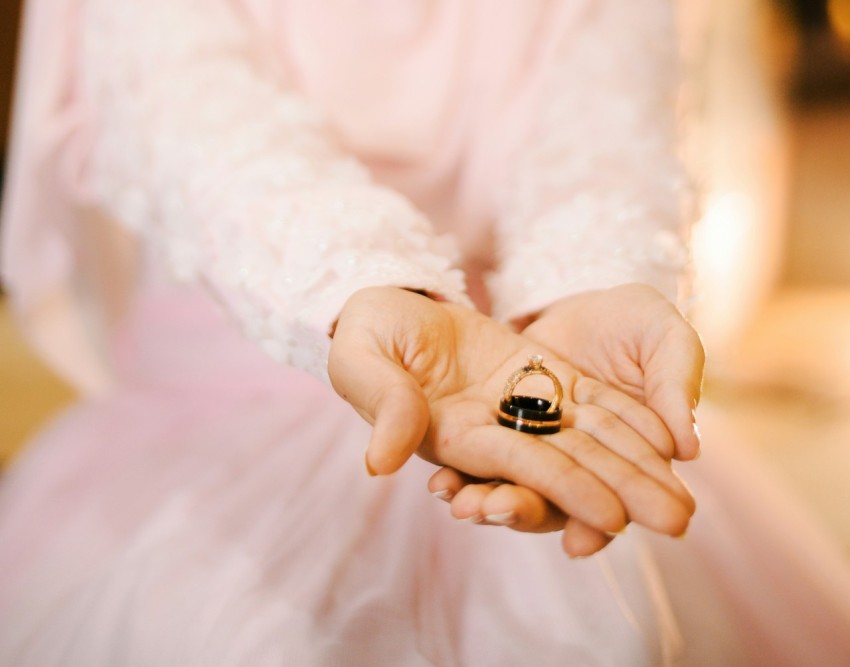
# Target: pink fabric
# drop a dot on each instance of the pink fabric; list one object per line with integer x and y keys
{"x": 439, "y": 153}
{"x": 36, "y": 250}
{"x": 193, "y": 122}
{"x": 230, "y": 535}
{"x": 210, "y": 507}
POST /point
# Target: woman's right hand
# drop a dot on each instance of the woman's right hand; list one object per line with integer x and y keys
{"x": 428, "y": 376}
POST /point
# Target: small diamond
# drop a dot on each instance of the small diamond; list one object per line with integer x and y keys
{"x": 535, "y": 361}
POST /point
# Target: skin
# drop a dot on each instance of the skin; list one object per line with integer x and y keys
{"x": 428, "y": 377}
{"x": 630, "y": 338}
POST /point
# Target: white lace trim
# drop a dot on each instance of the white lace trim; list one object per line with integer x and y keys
{"x": 598, "y": 194}
{"x": 238, "y": 181}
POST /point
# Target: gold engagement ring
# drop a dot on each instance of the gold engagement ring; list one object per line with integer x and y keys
{"x": 531, "y": 414}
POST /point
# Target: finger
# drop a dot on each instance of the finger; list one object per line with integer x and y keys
{"x": 492, "y": 451}
{"x": 673, "y": 384}
{"x": 646, "y": 501}
{"x": 503, "y": 504}
{"x": 467, "y": 503}
{"x": 620, "y": 459}
{"x": 616, "y": 436}
{"x": 387, "y": 397}
{"x": 580, "y": 540}
{"x": 522, "y": 509}
{"x": 639, "y": 417}
{"x": 446, "y": 482}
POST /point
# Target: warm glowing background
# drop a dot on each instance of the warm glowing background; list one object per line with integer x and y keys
{"x": 770, "y": 93}
{"x": 768, "y": 99}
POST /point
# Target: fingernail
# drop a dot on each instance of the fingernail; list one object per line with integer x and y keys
{"x": 503, "y": 519}
{"x": 475, "y": 518}
{"x": 443, "y": 494}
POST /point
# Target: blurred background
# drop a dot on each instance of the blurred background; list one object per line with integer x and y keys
{"x": 768, "y": 103}
{"x": 29, "y": 393}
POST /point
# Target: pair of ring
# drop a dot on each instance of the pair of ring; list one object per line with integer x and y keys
{"x": 531, "y": 414}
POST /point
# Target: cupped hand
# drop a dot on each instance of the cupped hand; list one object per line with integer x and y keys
{"x": 428, "y": 376}
{"x": 629, "y": 337}
{"x": 632, "y": 338}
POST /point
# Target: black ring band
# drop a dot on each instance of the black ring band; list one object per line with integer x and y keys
{"x": 529, "y": 415}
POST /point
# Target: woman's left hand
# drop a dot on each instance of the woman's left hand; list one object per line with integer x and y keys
{"x": 632, "y": 338}
{"x": 628, "y": 337}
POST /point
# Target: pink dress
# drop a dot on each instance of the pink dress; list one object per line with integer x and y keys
{"x": 275, "y": 157}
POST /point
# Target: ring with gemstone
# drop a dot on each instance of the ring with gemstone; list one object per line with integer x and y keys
{"x": 530, "y": 414}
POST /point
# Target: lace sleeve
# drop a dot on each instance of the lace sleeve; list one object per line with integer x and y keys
{"x": 598, "y": 193}
{"x": 237, "y": 179}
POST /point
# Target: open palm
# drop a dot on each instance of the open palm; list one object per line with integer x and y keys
{"x": 632, "y": 338}
{"x": 428, "y": 376}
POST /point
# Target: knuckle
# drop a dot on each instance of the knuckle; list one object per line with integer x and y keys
{"x": 607, "y": 422}
{"x": 596, "y": 420}
{"x": 578, "y": 444}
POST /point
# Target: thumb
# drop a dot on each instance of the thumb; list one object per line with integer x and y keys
{"x": 673, "y": 383}
{"x": 388, "y": 397}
